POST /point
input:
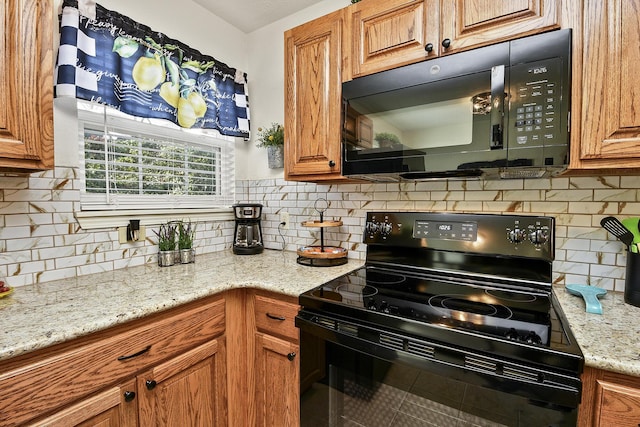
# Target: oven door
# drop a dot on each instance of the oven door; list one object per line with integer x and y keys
{"x": 359, "y": 376}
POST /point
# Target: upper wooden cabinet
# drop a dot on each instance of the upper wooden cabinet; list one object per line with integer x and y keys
{"x": 26, "y": 85}
{"x": 313, "y": 63}
{"x": 610, "y": 118}
{"x": 473, "y": 23}
{"x": 398, "y": 32}
{"x": 387, "y": 34}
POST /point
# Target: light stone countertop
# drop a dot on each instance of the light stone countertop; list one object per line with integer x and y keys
{"x": 38, "y": 316}
{"x": 609, "y": 341}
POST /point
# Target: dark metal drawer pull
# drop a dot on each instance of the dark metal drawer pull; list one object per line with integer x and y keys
{"x": 131, "y": 356}
{"x": 274, "y": 317}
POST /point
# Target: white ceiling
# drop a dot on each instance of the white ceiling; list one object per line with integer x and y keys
{"x": 249, "y": 15}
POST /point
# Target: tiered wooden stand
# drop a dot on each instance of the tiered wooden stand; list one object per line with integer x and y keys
{"x": 322, "y": 256}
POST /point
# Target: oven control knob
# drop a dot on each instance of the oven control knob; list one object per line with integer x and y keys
{"x": 512, "y": 334}
{"x": 371, "y": 305}
{"x": 533, "y": 338}
{"x": 516, "y": 235}
{"x": 539, "y": 236}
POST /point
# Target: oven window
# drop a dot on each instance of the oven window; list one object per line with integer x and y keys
{"x": 354, "y": 389}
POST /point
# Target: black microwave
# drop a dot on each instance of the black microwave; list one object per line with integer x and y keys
{"x": 500, "y": 111}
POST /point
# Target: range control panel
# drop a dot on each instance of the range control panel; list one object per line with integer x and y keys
{"x": 509, "y": 235}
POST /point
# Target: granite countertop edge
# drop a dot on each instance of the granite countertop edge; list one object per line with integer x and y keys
{"x": 609, "y": 341}
{"x": 42, "y": 315}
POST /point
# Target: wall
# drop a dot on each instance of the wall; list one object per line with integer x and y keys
{"x": 41, "y": 241}
{"x": 585, "y": 252}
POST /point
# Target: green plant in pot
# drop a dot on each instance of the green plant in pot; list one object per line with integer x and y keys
{"x": 166, "y": 244}
{"x": 186, "y": 236}
{"x": 273, "y": 139}
{"x": 386, "y": 139}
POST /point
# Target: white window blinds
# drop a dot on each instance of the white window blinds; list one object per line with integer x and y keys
{"x": 132, "y": 163}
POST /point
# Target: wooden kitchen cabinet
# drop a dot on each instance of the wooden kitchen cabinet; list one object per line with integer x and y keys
{"x": 393, "y": 33}
{"x": 115, "y": 406}
{"x": 80, "y": 378}
{"x": 387, "y": 34}
{"x": 187, "y": 390}
{"x": 609, "y": 137}
{"x": 26, "y": 85}
{"x": 313, "y": 78}
{"x": 609, "y": 399}
{"x": 474, "y": 23}
{"x": 276, "y": 380}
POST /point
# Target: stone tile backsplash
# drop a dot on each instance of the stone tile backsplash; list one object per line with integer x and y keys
{"x": 40, "y": 240}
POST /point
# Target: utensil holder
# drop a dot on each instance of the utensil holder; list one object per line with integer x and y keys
{"x": 632, "y": 280}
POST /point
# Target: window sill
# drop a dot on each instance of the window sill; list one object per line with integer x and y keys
{"x": 90, "y": 220}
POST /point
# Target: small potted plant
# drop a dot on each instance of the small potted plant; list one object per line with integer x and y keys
{"x": 273, "y": 139}
{"x": 166, "y": 244}
{"x": 186, "y": 235}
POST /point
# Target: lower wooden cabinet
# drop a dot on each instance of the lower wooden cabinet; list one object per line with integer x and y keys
{"x": 277, "y": 376}
{"x": 90, "y": 380}
{"x": 188, "y": 390}
{"x": 229, "y": 360}
{"x": 609, "y": 399}
{"x": 115, "y": 406}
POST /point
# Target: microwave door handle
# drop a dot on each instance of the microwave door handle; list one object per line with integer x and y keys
{"x": 497, "y": 107}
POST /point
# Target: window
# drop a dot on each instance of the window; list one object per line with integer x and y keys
{"x": 133, "y": 163}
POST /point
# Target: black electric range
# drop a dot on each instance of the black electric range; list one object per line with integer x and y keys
{"x": 466, "y": 290}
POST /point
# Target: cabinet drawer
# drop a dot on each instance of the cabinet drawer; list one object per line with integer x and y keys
{"x": 276, "y": 317}
{"x": 50, "y": 379}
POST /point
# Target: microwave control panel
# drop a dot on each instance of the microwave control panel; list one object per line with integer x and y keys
{"x": 537, "y": 102}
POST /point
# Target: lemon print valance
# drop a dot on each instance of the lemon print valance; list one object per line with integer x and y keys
{"x": 111, "y": 59}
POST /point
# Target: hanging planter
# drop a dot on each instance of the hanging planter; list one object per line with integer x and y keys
{"x": 273, "y": 139}
{"x": 275, "y": 156}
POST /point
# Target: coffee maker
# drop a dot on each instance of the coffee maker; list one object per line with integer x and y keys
{"x": 248, "y": 232}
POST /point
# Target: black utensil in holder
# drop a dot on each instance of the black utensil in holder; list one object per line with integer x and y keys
{"x": 632, "y": 279}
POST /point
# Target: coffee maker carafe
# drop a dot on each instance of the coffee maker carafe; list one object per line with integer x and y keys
{"x": 248, "y": 233}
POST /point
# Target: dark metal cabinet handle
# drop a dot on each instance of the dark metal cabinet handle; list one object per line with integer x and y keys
{"x": 151, "y": 384}
{"x": 429, "y": 47}
{"x": 131, "y": 356}
{"x": 446, "y": 43}
{"x": 129, "y": 396}
{"x": 291, "y": 356}
{"x": 331, "y": 163}
{"x": 274, "y": 317}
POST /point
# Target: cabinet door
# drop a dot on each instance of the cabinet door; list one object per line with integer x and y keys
{"x": 611, "y": 92}
{"x": 26, "y": 85}
{"x": 277, "y": 385}
{"x": 115, "y": 407}
{"x": 620, "y": 405}
{"x": 313, "y": 57}
{"x": 392, "y": 33}
{"x": 189, "y": 390}
{"x": 472, "y": 23}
